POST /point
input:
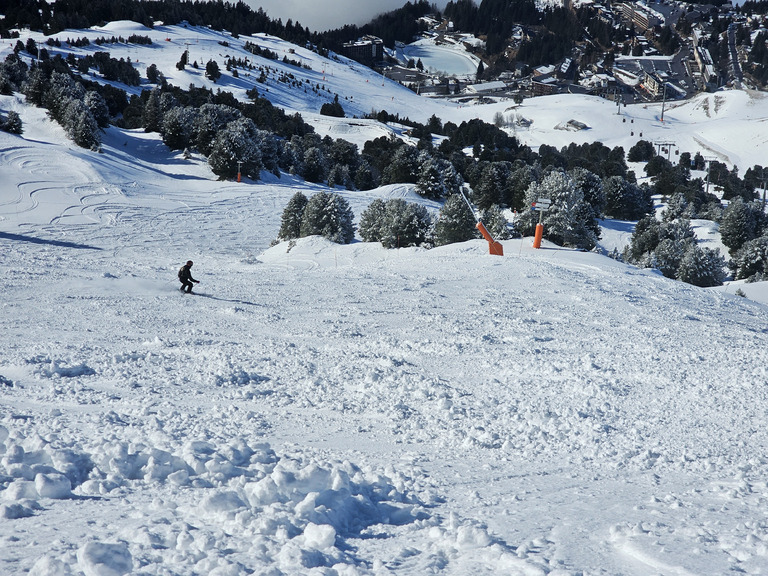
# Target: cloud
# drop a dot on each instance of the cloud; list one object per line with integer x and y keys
{"x": 328, "y": 14}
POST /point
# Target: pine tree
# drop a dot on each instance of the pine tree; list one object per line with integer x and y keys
{"x": 741, "y": 223}
{"x": 496, "y": 223}
{"x": 429, "y": 183}
{"x": 314, "y": 169}
{"x": 98, "y": 107}
{"x": 269, "y": 149}
{"x": 290, "y": 223}
{"x": 667, "y": 256}
{"x": 80, "y": 125}
{"x": 35, "y": 86}
{"x": 750, "y": 262}
{"x": 12, "y": 123}
{"x": 151, "y": 116}
{"x": 236, "y": 144}
{"x": 372, "y": 221}
{"x": 209, "y": 121}
{"x": 339, "y": 175}
{"x": 455, "y": 223}
{"x": 328, "y": 215}
{"x": 591, "y": 186}
{"x": 570, "y": 220}
{"x": 177, "y": 127}
{"x": 489, "y": 189}
{"x": 405, "y": 224}
{"x": 403, "y": 166}
{"x": 626, "y": 200}
{"x": 701, "y": 267}
{"x": 212, "y": 71}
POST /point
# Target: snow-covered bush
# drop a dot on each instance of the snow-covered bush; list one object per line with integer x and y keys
{"x": 328, "y": 215}
{"x": 455, "y": 223}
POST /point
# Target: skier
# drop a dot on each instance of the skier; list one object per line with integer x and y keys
{"x": 185, "y": 277}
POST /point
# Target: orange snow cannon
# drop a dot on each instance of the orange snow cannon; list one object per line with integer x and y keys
{"x": 494, "y": 247}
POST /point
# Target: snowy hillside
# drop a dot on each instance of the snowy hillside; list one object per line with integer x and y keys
{"x": 347, "y": 410}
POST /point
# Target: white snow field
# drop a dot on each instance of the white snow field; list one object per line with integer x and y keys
{"x": 331, "y": 410}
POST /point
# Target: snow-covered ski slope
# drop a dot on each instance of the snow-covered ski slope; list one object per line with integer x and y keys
{"x": 350, "y": 410}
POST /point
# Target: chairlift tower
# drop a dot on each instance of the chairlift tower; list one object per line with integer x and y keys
{"x": 708, "y": 160}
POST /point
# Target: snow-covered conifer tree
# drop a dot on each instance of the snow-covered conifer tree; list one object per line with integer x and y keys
{"x": 405, "y": 224}
{"x": 701, "y": 267}
{"x": 314, "y": 165}
{"x": 236, "y": 143}
{"x": 210, "y": 120}
{"x": 591, "y": 186}
{"x": 372, "y": 221}
{"x": 404, "y": 166}
{"x": 751, "y": 260}
{"x": 496, "y": 223}
{"x": 626, "y": 200}
{"x": 328, "y": 215}
{"x": 339, "y": 175}
{"x": 429, "y": 183}
{"x": 13, "y": 123}
{"x": 570, "y": 220}
{"x": 741, "y": 223}
{"x": 80, "y": 125}
{"x": 290, "y": 222}
{"x": 177, "y": 127}
{"x": 35, "y": 86}
{"x": 98, "y": 107}
{"x": 489, "y": 188}
{"x": 455, "y": 223}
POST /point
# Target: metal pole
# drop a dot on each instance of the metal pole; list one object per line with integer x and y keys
{"x": 469, "y": 205}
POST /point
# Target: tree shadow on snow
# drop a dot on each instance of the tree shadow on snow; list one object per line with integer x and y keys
{"x": 33, "y": 240}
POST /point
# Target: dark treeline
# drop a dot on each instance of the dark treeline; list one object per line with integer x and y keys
{"x": 238, "y": 18}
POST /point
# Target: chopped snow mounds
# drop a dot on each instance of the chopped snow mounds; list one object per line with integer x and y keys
{"x": 349, "y": 410}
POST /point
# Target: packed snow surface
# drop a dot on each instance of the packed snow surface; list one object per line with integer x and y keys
{"x": 331, "y": 410}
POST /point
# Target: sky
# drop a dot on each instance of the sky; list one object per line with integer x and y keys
{"x": 320, "y": 16}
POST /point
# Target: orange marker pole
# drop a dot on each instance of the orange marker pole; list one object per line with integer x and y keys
{"x": 538, "y": 235}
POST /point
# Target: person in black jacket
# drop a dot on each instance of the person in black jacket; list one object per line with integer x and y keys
{"x": 185, "y": 277}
